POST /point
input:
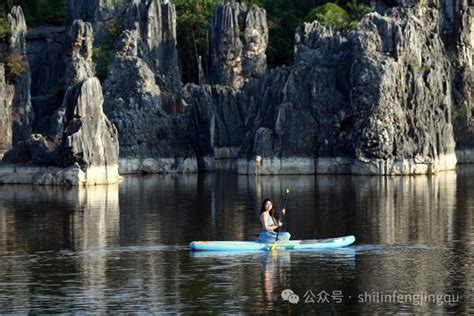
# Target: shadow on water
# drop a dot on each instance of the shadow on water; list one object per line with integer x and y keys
{"x": 123, "y": 248}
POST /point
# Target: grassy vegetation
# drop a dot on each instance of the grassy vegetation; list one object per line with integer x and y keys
{"x": 103, "y": 55}
{"x": 4, "y": 28}
{"x": 15, "y": 65}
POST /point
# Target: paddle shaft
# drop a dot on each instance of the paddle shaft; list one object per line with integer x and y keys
{"x": 284, "y": 206}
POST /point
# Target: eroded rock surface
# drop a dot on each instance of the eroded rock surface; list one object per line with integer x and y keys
{"x": 238, "y": 39}
{"x": 15, "y": 79}
{"x": 151, "y": 140}
{"x": 85, "y": 151}
{"x": 377, "y": 100}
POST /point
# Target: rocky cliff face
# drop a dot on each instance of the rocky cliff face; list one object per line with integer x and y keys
{"x": 239, "y": 38}
{"x": 463, "y": 49}
{"x": 304, "y": 111}
{"x": 22, "y": 111}
{"x": 380, "y": 99}
{"x": 407, "y": 129}
{"x": 96, "y": 12}
{"x": 89, "y": 138}
{"x": 217, "y": 114}
{"x": 375, "y": 101}
{"x": 156, "y": 23}
{"x": 85, "y": 151}
{"x": 150, "y": 139}
{"x": 46, "y": 50}
{"x": 15, "y": 100}
{"x": 155, "y": 20}
{"x": 6, "y": 96}
{"x": 143, "y": 87}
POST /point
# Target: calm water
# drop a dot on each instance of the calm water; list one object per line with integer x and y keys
{"x": 124, "y": 248}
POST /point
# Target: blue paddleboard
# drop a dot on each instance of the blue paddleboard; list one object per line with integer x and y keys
{"x": 291, "y": 245}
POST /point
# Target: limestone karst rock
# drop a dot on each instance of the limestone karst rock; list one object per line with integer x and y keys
{"x": 16, "y": 113}
{"x": 151, "y": 140}
{"x": 86, "y": 149}
{"x": 238, "y": 40}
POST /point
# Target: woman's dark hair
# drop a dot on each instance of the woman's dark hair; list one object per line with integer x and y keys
{"x": 262, "y": 209}
{"x": 272, "y": 211}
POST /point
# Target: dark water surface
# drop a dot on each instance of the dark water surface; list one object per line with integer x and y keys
{"x": 124, "y": 248}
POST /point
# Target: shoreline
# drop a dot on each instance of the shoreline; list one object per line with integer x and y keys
{"x": 58, "y": 176}
{"x": 97, "y": 175}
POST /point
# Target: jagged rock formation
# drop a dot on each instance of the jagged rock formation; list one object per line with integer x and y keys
{"x": 22, "y": 113}
{"x": 47, "y": 53}
{"x": 408, "y": 129}
{"x": 463, "y": 50}
{"x": 6, "y": 97}
{"x": 156, "y": 21}
{"x": 157, "y": 26}
{"x": 218, "y": 113}
{"x": 304, "y": 111}
{"x": 456, "y": 30}
{"x": 340, "y": 98}
{"x": 287, "y": 116}
{"x": 47, "y": 48}
{"x": 16, "y": 114}
{"x": 80, "y": 66}
{"x": 142, "y": 88}
{"x": 86, "y": 150}
{"x": 238, "y": 38}
{"x": 216, "y": 120}
{"x": 376, "y": 100}
{"x": 150, "y": 139}
{"x": 96, "y": 12}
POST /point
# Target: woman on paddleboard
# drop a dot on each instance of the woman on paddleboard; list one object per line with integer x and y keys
{"x": 270, "y": 224}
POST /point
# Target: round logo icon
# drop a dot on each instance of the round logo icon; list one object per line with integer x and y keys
{"x": 290, "y": 296}
{"x": 285, "y": 294}
{"x": 294, "y": 299}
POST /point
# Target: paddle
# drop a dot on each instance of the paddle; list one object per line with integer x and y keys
{"x": 278, "y": 233}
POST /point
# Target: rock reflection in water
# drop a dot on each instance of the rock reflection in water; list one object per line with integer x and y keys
{"x": 44, "y": 227}
{"x": 400, "y": 210}
{"x": 76, "y": 218}
{"x": 123, "y": 248}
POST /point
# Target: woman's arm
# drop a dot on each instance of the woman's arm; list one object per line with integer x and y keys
{"x": 278, "y": 220}
{"x": 266, "y": 227}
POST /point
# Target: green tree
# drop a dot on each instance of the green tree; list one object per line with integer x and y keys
{"x": 4, "y": 28}
{"x": 103, "y": 54}
{"x": 194, "y": 17}
{"x": 337, "y": 17}
{"x": 193, "y": 21}
{"x": 357, "y": 11}
{"x": 330, "y": 15}
{"x": 41, "y": 12}
{"x": 284, "y": 16}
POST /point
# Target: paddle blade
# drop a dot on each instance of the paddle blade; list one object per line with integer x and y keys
{"x": 274, "y": 247}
